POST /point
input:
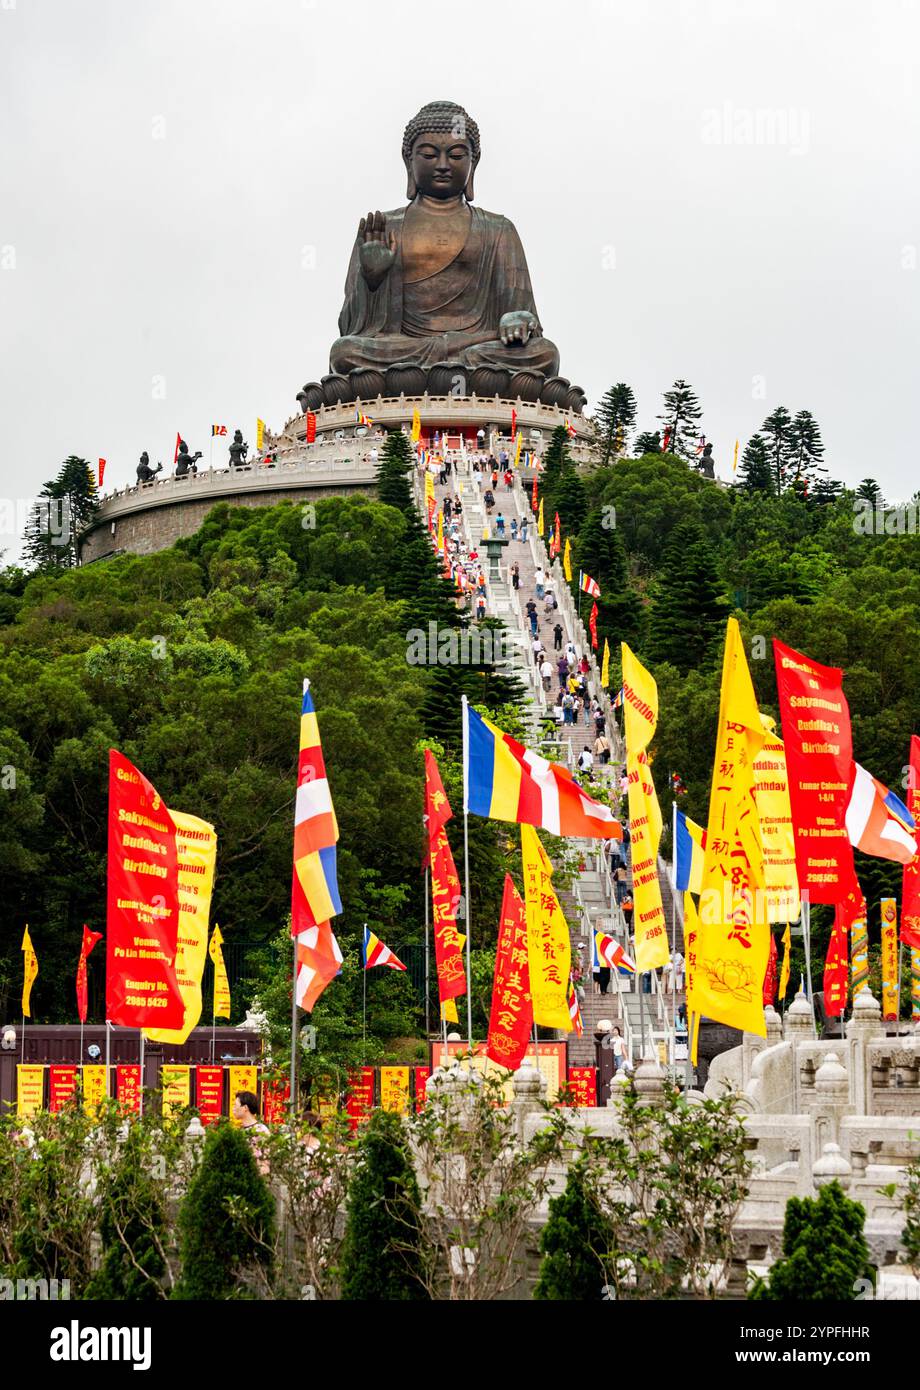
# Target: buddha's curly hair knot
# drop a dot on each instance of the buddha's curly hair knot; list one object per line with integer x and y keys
{"x": 438, "y": 118}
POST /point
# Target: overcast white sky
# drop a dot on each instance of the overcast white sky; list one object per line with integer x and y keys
{"x": 724, "y": 191}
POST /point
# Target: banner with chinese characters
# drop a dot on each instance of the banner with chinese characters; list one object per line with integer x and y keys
{"x": 910, "y": 882}
{"x": 421, "y": 1080}
{"x": 726, "y": 984}
{"x": 549, "y": 947}
{"x": 819, "y": 750}
{"x": 94, "y": 1087}
{"x": 394, "y": 1089}
{"x": 549, "y": 1060}
{"x": 196, "y": 851}
{"x": 30, "y": 1089}
{"x": 360, "y": 1100}
{"x": 242, "y": 1078}
{"x": 445, "y": 893}
{"x": 143, "y": 904}
{"x": 275, "y": 1097}
{"x": 128, "y": 1087}
{"x": 854, "y": 909}
{"x": 176, "y": 1082}
{"x": 836, "y": 967}
{"x": 582, "y": 1083}
{"x": 209, "y": 1093}
{"x": 511, "y": 1018}
{"x": 771, "y": 793}
{"x": 640, "y": 720}
{"x": 891, "y": 981}
{"x": 62, "y": 1083}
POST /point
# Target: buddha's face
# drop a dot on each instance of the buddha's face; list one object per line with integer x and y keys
{"x": 441, "y": 165}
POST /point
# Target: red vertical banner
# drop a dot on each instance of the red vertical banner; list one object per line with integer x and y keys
{"x": 819, "y": 751}
{"x": 769, "y": 979}
{"x": 445, "y": 887}
{"x": 311, "y": 427}
{"x": 837, "y": 965}
{"x": 143, "y": 904}
{"x": 511, "y": 1019}
{"x": 421, "y": 1078}
{"x": 582, "y": 1083}
{"x": 209, "y": 1093}
{"x": 275, "y": 1096}
{"x": 910, "y": 884}
{"x": 360, "y": 1100}
{"x": 62, "y": 1082}
{"x": 89, "y": 940}
{"x": 128, "y": 1087}
{"x": 592, "y": 624}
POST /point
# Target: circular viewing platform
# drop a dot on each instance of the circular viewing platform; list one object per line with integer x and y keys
{"x": 147, "y": 517}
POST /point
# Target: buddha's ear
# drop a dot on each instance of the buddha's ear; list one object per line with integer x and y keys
{"x": 411, "y": 185}
{"x": 468, "y": 191}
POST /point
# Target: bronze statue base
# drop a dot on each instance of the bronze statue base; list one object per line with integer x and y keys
{"x": 410, "y": 380}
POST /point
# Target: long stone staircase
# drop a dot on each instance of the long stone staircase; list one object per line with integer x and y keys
{"x": 590, "y": 901}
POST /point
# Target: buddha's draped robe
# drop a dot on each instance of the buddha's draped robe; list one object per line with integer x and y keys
{"x": 455, "y": 274}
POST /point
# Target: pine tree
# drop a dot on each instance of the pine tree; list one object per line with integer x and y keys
{"x": 806, "y": 449}
{"x": 869, "y": 491}
{"x": 688, "y": 612}
{"x": 226, "y": 1221}
{"x": 776, "y": 430}
{"x": 66, "y": 505}
{"x": 649, "y": 442}
{"x": 381, "y": 1254}
{"x": 681, "y": 416}
{"x": 393, "y": 473}
{"x": 825, "y": 1253}
{"x": 555, "y": 460}
{"x": 569, "y": 499}
{"x": 599, "y": 552}
{"x": 614, "y": 418}
{"x": 756, "y": 473}
{"x": 573, "y": 1244}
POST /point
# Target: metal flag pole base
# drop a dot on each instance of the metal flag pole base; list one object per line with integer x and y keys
{"x": 140, "y": 1089}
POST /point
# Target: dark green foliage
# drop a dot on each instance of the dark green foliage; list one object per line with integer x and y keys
{"x": 756, "y": 473}
{"x": 688, "y": 612}
{"x": 381, "y": 1256}
{"x": 226, "y": 1222}
{"x": 64, "y": 508}
{"x": 681, "y": 415}
{"x": 599, "y": 551}
{"x": 556, "y": 459}
{"x": 806, "y": 448}
{"x": 394, "y": 471}
{"x": 825, "y": 1252}
{"x": 569, "y": 500}
{"x": 869, "y": 491}
{"x": 776, "y": 431}
{"x": 574, "y": 1243}
{"x": 132, "y": 1227}
{"x": 649, "y": 442}
{"x": 614, "y": 418}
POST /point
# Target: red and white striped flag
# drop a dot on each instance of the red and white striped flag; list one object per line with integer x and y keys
{"x": 314, "y": 887}
{"x": 611, "y": 953}
{"x": 374, "y": 953}
{"x": 574, "y": 1010}
{"x": 587, "y": 585}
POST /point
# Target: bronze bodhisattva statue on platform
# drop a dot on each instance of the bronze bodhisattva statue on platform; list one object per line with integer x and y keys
{"x": 440, "y": 288}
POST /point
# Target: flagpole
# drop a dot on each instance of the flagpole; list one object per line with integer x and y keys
{"x": 22, "y": 1042}
{"x": 673, "y": 926}
{"x": 806, "y": 932}
{"x": 427, "y": 962}
{"x": 140, "y": 1089}
{"x": 364, "y": 1000}
{"x": 293, "y": 1027}
{"x": 108, "y": 1055}
{"x": 466, "y": 871}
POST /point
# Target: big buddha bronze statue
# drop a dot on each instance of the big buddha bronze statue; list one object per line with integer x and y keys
{"x": 439, "y": 290}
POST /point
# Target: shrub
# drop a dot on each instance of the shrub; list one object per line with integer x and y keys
{"x": 381, "y": 1256}
{"x": 574, "y": 1243}
{"x": 824, "y": 1250}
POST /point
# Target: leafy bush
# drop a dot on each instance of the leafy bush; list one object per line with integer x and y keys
{"x": 824, "y": 1250}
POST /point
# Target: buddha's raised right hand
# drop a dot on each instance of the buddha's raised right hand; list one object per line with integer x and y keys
{"x": 377, "y": 250}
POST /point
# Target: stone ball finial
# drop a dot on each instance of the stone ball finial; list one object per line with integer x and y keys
{"x": 649, "y": 1081}
{"x": 528, "y": 1083}
{"x": 831, "y": 1075}
{"x": 194, "y": 1129}
{"x": 832, "y": 1167}
{"x": 800, "y": 1017}
{"x": 774, "y": 1025}
{"x": 866, "y": 1006}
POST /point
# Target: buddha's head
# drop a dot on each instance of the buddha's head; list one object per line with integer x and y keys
{"x": 441, "y": 150}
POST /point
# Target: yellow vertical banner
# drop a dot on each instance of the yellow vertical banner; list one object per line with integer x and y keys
{"x": 394, "y": 1089}
{"x": 29, "y": 972}
{"x": 242, "y": 1078}
{"x": 859, "y": 953}
{"x": 518, "y": 447}
{"x": 786, "y": 965}
{"x": 416, "y": 426}
{"x": 30, "y": 1089}
{"x": 691, "y": 936}
{"x": 94, "y": 1087}
{"x": 196, "y": 852}
{"x": 640, "y": 719}
{"x": 891, "y": 981}
{"x": 549, "y": 944}
{"x": 176, "y": 1084}
{"x": 605, "y": 665}
{"x": 567, "y": 569}
{"x": 541, "y": 525}
{"x": 260, "y": 434}
{"x": 729, "y": 965}
{"x": 221, "y": 983}
{"x": 771, "y": 794}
